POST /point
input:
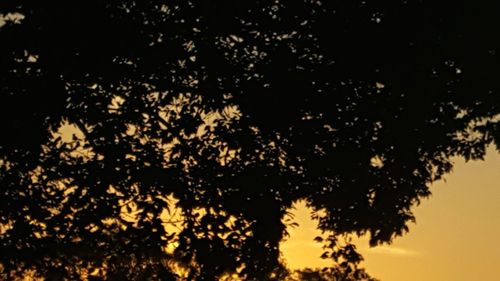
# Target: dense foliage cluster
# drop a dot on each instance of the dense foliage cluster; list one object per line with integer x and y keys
{"x": 155, "y": 139}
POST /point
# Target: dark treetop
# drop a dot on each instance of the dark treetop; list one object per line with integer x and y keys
{"x": 216, "y": 116}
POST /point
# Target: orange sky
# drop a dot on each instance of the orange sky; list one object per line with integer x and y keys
{"x": 456, "y": 236}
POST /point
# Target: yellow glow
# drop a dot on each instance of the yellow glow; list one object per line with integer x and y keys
{"x": 455, "y": 238}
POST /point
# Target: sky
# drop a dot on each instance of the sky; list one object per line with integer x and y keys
{"x": 456, "y": 237}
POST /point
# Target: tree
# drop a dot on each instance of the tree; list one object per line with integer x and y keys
{"x": 228, "y": 113}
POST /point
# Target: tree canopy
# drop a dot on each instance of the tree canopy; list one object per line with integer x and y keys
{"x": 168, "y": 139}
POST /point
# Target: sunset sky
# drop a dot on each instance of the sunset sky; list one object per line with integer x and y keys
{"x": 455, "y": 238}
{"x": 185, "y": 140}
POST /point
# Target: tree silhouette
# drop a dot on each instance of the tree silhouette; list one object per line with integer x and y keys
{"x": 124, "y": 119}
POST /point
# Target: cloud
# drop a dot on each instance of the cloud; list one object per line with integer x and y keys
{"x": 391, "y": 251}
{"x": 301, "y": 243}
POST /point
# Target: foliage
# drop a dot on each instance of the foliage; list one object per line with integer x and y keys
{"x": 197, "y": 124}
